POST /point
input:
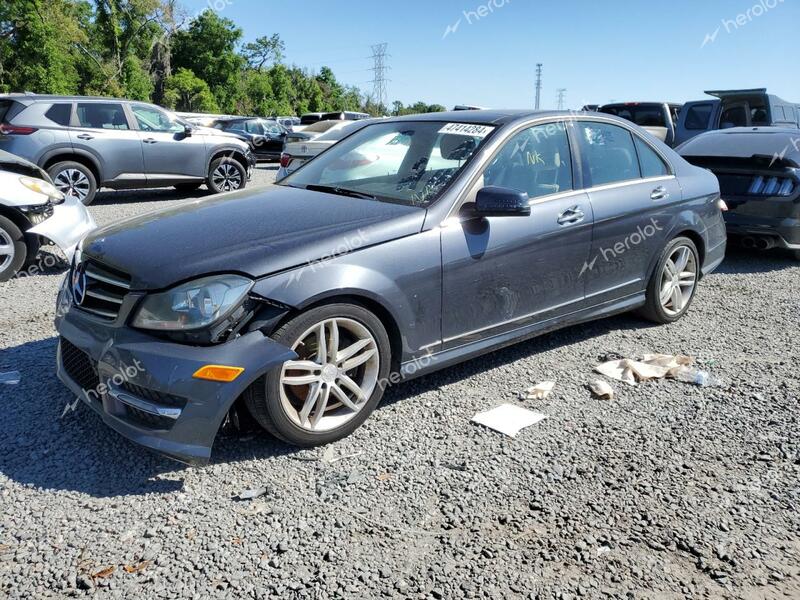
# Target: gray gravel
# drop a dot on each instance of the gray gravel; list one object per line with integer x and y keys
{"x": 669, "y": 491}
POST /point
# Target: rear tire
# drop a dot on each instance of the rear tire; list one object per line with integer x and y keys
{"x": 226, "y": 175}
{"x": 74, "y": 179}
{"x": 669, "y": 293}
{"x": 314, "y": 413}
{"x": 13, "y": 249}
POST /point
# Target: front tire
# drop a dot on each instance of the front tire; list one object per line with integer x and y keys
{"x": 673, "y": 284}
{"x": 338, "y": 379}
{"x": 74, "y": 180}
{"x": 226, "y": 175}
{"x": 13, "y": 250}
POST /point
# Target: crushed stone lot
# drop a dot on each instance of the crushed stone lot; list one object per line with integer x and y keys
{"x": 667, "y": 491}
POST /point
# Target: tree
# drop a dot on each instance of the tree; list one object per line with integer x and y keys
{"x": 263, "y": 50}
{"x": 37, "y": 45}
{"x": 208, "y": 49}
{"x": 186, "y": 92}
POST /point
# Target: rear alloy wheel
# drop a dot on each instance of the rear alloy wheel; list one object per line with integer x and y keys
{"x": 674, "y": 282}
{"x": 334, "y": 384}
{"x": 74, "y": 180}
{"x": 13, "y": 250}
{"x": 226, "y": 175}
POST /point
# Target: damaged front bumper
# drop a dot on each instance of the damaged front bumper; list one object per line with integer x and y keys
{"x": 68, "y": 225}
{"x": 143, "y": 387}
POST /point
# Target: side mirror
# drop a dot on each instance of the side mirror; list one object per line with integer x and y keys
{"x": 187, "y": 131}
{"x": 495, "y": 201}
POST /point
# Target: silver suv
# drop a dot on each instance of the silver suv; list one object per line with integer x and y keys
{"x": 87, "y": 143}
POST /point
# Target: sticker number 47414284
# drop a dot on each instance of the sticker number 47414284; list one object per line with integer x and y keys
{"x": 478, "y": 131}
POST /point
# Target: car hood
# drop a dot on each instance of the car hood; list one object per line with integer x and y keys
{"x": 254, "y": 232}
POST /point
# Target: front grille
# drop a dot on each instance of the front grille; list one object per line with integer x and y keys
{"x": 105, "y": 290}
{"x": 154, "y": 396}
{"x": 79, "y": 366}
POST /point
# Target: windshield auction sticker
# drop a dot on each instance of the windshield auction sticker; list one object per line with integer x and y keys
{"x": 478, "y": 131}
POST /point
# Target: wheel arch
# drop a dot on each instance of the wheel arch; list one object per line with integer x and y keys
{"x": 234, "y": 153}
{"x": 85, "y": 159}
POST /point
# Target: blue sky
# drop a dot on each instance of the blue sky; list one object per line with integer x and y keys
{"x": 599, "y": 51}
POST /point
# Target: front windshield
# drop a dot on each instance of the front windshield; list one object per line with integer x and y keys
{"x": 406, "y": 162}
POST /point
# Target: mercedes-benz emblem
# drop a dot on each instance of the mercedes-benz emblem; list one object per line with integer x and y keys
{"x": 79, "y": 284}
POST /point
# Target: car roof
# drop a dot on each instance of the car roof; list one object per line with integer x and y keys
{"x": 32, "y": 98}
{"x": 490, "y": 117}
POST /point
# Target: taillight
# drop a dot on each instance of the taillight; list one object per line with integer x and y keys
{"x": 7, "y": 129}
{"x": 285, "y": 160}
{"x": 723, "y": 206}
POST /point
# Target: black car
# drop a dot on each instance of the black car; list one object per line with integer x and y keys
{"x": 265, "y": 137}
{"x": 758, "y": 176}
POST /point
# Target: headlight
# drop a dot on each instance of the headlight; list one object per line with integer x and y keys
{"x": 193, "y": 305}
{"x": 40, "y": 186}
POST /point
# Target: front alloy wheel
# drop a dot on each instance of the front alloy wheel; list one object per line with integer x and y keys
{"x": 336, "y": 381}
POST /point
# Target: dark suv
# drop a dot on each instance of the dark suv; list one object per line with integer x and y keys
{"x": 87, "y": 143}
{"x": 264, "y": 137}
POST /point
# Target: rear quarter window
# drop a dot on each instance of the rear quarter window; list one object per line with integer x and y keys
{"x": 59, "y": 114}
{"x": 652, "y": 165}
{"x": 5, "y": 108}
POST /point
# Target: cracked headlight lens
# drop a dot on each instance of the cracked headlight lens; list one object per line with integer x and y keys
{"x": 193, "y": 305}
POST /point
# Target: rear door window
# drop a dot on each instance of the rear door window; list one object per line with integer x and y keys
{"x": 698, "y": 117}
{"x": 651, "y": 164}
{"x": 60, "y": 113}
{"x": 609, "y": 152}
{"x": 254, "y": 127}
{"x": 102, "y": 115}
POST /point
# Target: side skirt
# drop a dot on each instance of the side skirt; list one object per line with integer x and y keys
{"x": 426, "y": 364}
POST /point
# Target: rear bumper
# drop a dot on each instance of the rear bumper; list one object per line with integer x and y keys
{"x": 784, "y": 230}
{"x": 142, "y": 387}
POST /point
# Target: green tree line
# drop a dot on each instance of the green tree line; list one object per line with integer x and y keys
{"x": 153, "y": 50}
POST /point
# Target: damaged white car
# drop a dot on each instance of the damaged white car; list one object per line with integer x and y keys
{"x": 31, "y": 208}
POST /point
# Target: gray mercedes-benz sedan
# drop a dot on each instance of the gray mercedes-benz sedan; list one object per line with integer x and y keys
{"x": 413, "y": 244}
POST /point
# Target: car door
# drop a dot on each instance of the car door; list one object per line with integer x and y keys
{"x": 274, "y": 136}
{"x": 105, "y": 132}
{"x": 501, "y": 273}
{"x": 631, "y": 188}
{"x": 170, "y": 153}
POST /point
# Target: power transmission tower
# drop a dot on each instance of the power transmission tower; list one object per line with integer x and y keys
{"x": 538, "y": 84}
{"x": 562, "y": 94}
{"x": 379, "y": 69}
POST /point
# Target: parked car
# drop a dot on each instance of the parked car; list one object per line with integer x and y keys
{"x": 289, "y": 123}
{"x": 31, "y": 208}
{"x": 659, "y": 118}
{"x": 312, "y": 131}
{"x": 736, "y": 108}
{"x": 296, "y": 154}
{"x": 467, "y": 107}
{"x": 590, "y": 107}
{"x": 87, "y": 143}
{"x": 264, "y": 137}
{"x": 759, "y": 176}
{"x": 307, "y": 299}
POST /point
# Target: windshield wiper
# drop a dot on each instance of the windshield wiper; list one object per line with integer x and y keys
{"x": 332, "y": 189}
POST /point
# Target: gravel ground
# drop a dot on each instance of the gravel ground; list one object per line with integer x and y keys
{"x": 669, "y": 491}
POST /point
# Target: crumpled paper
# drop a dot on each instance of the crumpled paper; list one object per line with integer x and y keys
{"x": 652, "y": 366}
{"x": 508, "y": 419}
{"x": 601, "y": 389}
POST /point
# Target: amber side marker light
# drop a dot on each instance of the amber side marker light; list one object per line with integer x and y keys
{"x": 219, "y": 373}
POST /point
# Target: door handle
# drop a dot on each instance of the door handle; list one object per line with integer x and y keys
{"x": 85, "y": 136}
{"x": 149, "y": 141}
{"x": 660, "y": 193}
{"x": 571, "y": 215}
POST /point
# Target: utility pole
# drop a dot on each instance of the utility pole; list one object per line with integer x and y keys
{"x": 562, "y": 94}
{"x": 379, "y": 69}
{"x": 538, "y": 85}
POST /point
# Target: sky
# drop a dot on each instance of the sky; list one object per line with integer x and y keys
{"x": 485, "y": 52}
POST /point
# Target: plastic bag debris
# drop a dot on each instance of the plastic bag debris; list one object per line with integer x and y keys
{"x": 10, "y": 378}
{"x": 601, "y": 390}
{"x": 540, "y": 391}
{"x": 508, "y": 419}
{"x": 652, "y": 366}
